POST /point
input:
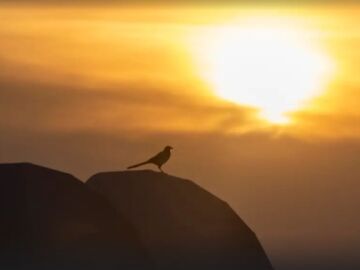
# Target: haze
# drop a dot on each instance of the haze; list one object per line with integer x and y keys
{"x": 87, "y": 89}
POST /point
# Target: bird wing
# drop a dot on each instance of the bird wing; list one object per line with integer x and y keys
{"x": 157, "y": 158}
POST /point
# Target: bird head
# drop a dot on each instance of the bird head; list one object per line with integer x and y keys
{"x": 168, "y": 148}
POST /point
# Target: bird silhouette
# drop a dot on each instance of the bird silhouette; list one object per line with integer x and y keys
{"x": 159, "y": 159}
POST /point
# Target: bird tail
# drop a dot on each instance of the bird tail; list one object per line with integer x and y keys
{"x": 138, "y": 165}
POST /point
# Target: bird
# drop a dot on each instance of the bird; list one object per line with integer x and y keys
{"x": 159, "y": 159}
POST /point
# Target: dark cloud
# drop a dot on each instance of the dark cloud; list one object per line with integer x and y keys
{"x": 27, "y": 104}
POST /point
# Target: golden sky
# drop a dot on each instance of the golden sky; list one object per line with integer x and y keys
{"x": 87, "y": 89}
{"x": 148, "y": 60}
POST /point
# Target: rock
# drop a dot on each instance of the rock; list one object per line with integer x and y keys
{"x": 182, "y": 226}
{"x": 51, "y": 220}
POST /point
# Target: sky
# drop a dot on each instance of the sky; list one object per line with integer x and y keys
{"x": 89, "y": 88}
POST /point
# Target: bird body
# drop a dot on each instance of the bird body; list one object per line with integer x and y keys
{"x": 159, "y": 159}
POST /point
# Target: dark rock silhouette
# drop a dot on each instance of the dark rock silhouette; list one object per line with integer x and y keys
{"x": 51, "y": 220}
{"x": 183, "y": 226}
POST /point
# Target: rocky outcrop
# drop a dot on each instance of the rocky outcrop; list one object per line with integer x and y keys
{"x": 182, "y": 226}
{"x": 51, "y": 220}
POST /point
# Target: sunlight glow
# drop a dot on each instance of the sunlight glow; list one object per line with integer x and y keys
{"x": 273, "y": 68}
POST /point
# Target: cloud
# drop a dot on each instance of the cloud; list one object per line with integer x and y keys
{"x": 32, "y": 106}
{"x": 77, "y": 71}
{"x": 332, "y": 125}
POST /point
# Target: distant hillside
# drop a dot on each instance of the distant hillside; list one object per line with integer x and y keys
{"x": 182, "y": 226}
{"x": 50, "y": 220}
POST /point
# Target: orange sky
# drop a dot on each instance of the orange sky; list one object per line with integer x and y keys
{"x": 117, "y": 51}
{"x": 89, "y": 89}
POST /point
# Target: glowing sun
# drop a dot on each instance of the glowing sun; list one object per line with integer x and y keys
{"x": 273, "y": 68}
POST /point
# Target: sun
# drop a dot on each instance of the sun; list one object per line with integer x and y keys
{"x": 274, "y": 68}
